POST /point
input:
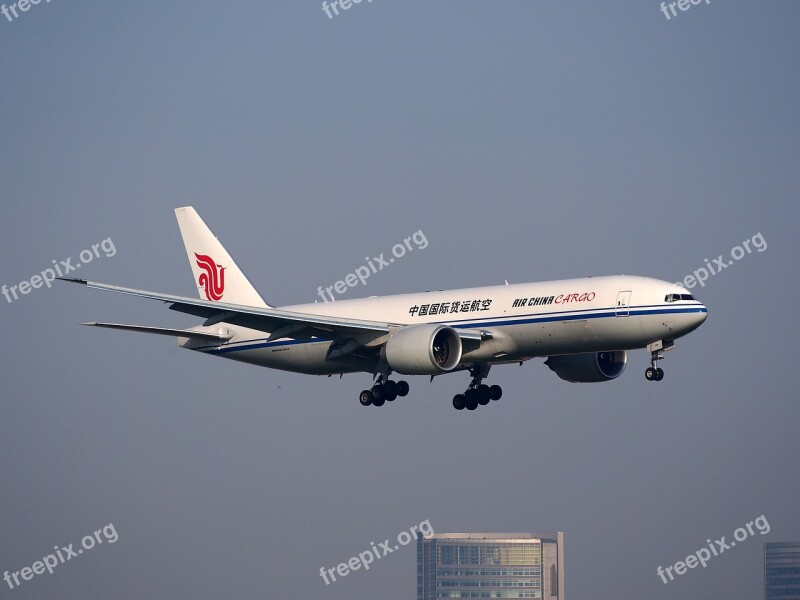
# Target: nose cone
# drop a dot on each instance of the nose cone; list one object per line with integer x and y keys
{"x": 702, "y": 316}
{"x": 689, "y": 312}
{"x": 691, "y": 318}
{"x": 699, "y": 316}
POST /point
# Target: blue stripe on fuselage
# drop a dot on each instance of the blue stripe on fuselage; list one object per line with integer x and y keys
{"x": 485, "y": 322}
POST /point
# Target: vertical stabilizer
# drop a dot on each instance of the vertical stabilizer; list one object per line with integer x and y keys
{"x": 216, "y": 275}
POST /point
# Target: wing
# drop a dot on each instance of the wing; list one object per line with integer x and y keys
{"x": 278, "y": 323}
{"x": 204, "y": 336}
{"x": 349, "y": 335}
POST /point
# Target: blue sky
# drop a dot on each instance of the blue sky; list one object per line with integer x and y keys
{"x": 529, "y": 141}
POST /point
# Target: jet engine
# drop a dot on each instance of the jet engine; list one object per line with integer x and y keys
{"x": 423, "y": 349}
{"x": 589, "y": 367}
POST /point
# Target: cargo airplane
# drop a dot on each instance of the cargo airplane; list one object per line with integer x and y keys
{"x": 584, "y": 327}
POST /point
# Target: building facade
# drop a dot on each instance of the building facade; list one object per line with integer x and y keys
{"x": 491, "y": 565}
{"x": 782, "y": 571}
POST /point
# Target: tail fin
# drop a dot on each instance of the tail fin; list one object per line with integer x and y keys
{"x": 215, "y": 273}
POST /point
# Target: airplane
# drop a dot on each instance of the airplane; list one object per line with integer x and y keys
{"x": 583, "y": 327}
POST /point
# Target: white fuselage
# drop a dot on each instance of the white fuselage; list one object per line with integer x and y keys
{"x": 523, "y": 321}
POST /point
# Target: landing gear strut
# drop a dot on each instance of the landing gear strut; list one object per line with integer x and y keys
{"x": 657, "y": 349}
{"x": 477, "y": 392}
{"x": 383, "y": 390}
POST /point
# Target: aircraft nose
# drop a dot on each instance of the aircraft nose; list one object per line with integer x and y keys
{"x": 701, "y": 315}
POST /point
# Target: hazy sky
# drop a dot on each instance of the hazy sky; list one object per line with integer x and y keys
{"x": 528, "y": 141}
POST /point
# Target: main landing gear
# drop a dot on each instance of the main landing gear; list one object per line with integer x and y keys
{"x": 384, "y": 390}
{"x": 477, "y": 392}
{"x": 654, "y": 373}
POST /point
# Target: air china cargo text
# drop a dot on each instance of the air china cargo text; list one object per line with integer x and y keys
{"x": 560, "y": 299}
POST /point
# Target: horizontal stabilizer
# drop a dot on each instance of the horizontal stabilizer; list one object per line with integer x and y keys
{"x": 220, "y": 336}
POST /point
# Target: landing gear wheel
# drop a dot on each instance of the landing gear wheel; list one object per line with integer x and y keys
{"x": 402, "y": 388}
{"x": 650, "y": 373}
{"x": 365, "y": 398}
{"x": 483, "y": 394}
{"x": 390, "y": 390}
{"x": 378, "y": 395}
{"x": 480, "y": 394}
{"x": 459, "y": 401}
{"x": 659, "y": 374}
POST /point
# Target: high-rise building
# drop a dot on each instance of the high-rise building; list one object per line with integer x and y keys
{"x": 782, "y": 571}
{"x": 490, "y": 565}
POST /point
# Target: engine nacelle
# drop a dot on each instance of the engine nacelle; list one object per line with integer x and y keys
{"x": 589, "y": 367}
{"x": 423, "y": 350}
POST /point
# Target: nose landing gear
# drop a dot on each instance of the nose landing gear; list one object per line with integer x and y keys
{"x": 654, "y": 373}
{"x": 657, "y": 349}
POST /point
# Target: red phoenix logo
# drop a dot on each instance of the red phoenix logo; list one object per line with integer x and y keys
{"x": 213, "y": 277}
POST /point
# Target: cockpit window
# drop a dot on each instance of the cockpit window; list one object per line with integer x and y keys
{"x": 676, "y": 297}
